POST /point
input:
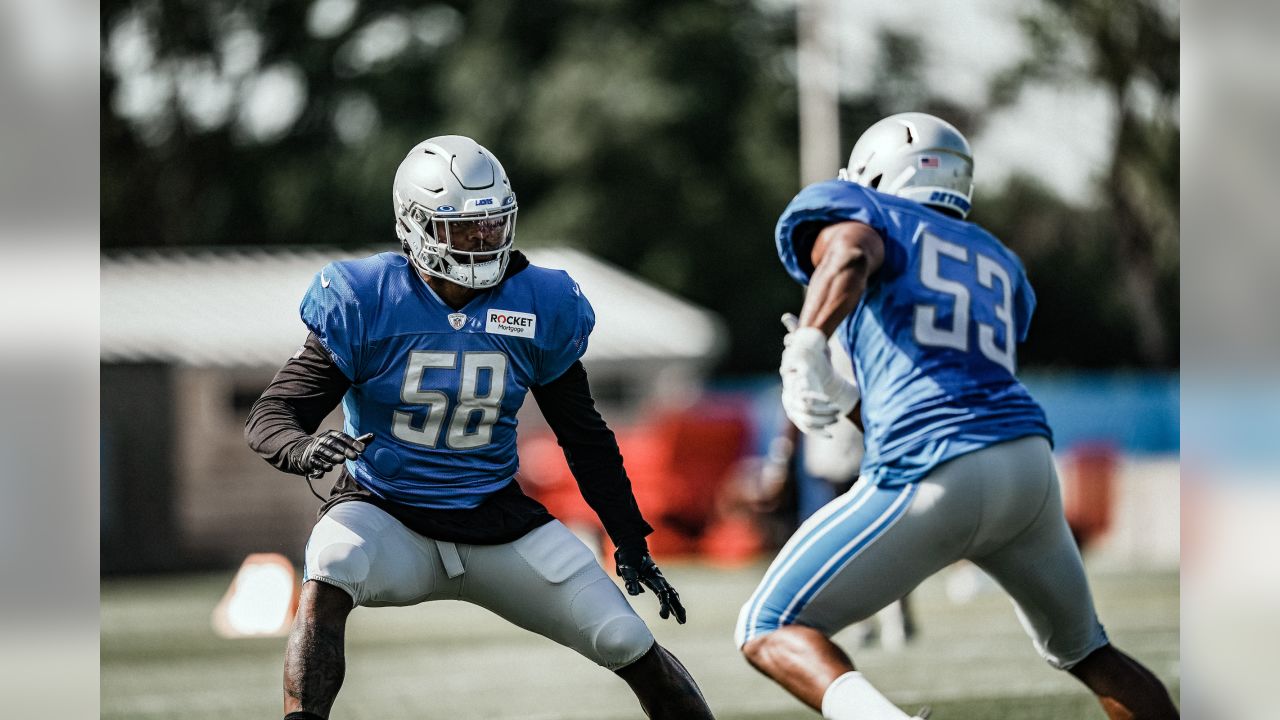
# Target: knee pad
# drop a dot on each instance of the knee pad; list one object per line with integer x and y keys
{"x": 605, "y": 628}
{"x": 343, "y": 565}
{"x": 342, "y": 561}
{"x": 340, "y": 564}
{"x": 1063, "y": 656}
{"x": 621, "y": 641}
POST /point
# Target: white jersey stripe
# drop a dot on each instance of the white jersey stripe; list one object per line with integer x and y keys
{"x": 835, "y": 513}
{"x": 847, "y": 553}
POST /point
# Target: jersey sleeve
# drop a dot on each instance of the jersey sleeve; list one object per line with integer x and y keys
{"x": 573, "y": 323}
{"x": 331, "y": 310}
{"x": 1025, "y": 306}
{"x": 591, "y": 450}
{"x": 817, "y": 206}
{"x": 301, "y": 395}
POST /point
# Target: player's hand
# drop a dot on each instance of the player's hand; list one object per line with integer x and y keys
{"x": 322, "y": 452}
{"x": 636, "y": 568}
{"x": 813, "y": 394}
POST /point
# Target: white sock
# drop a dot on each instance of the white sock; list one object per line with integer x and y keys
{"x": 851, "y": 697}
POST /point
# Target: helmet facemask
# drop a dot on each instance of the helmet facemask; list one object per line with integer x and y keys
{"x": 470, "y": 249}
{"x": 455, "y": 212}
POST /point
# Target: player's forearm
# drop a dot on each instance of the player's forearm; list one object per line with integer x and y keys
{"x": 604, "y": 484}
{"x": 274, "y": 432}
{"x": 592, "y": 452}
{"x": 301, "y": 395}
{"x": 834, "y": 290}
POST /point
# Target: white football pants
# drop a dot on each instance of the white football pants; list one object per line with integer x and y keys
{"x": 547, "y": 581}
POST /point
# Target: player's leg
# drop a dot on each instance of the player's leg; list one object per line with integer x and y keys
{"x": 357, "y": 555}
{"x": 1126, "y": 689}
{"x": 801, "y": 659}
{"x": 861, "y": 552}
{"x": 314, "y": 661}
{"x": 1041, "y": 569}
{"x": 548, "y": 582}
{"x": 663, "y": 686}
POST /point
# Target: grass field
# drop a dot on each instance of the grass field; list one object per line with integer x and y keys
{"x": 160, "y": 658}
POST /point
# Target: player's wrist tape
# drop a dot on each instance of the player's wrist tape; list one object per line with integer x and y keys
{"x": 808, "y": 340}
{"x": 812, "y": 344}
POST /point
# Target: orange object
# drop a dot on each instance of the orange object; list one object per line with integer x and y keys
{"x": 1088, "y": 491}
{"x": 732, "y": 542}
{"x": 678, "y": 462}
{"x": 261, "y": 601}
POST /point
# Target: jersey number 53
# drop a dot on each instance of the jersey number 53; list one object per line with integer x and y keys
{"x": 471, "y": 422}
{"x": 927, "y": 329}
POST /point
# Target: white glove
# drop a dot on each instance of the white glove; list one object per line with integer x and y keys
{"x": 813, "y": 395}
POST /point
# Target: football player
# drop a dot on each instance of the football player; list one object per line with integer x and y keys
{"x": 958, "y": 462}
{"x": 431, "y": 352}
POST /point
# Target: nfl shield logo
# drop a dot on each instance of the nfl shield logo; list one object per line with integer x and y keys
{"x": 457, "y": 320}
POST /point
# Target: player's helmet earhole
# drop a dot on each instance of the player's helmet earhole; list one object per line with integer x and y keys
{"x": 875, "y": 182}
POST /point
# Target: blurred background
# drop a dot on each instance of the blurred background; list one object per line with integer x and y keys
{"x": 652, "y": 147}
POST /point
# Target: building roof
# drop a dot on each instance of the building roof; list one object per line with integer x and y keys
{"x": 240, "y": 308}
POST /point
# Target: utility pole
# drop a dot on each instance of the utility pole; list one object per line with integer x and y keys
{"x": 817, "y": 71}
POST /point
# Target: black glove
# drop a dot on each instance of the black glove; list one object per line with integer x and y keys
{"x": 636, "y": 567}
{"x": 317, "y": 455}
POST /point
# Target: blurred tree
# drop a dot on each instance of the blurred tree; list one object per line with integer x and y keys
{"x": 660, "y": 136}
{"x": 1082, "y": 316}
{"x": 1132, "y": 50}
{"x": 657, "y": 135}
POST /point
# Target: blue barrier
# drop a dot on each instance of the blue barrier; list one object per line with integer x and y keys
{"x": 1138, "y": 413}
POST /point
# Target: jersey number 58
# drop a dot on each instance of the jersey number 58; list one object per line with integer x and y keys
{"x": 466, "y": 431}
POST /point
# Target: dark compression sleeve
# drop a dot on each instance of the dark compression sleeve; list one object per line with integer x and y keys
{"x": 303, "y": 393}
{"x": 592, "y": 453}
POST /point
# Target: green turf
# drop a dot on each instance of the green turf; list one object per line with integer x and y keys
{"x": 160, "y": 658}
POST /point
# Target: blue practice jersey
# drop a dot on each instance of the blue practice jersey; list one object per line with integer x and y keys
{"x": 933, "y": 337}
{"x": 439, "y": 387}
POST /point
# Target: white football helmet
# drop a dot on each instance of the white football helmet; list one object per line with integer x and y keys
{"x": 455, "y": 211}
{"x": 916, "y": 156}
